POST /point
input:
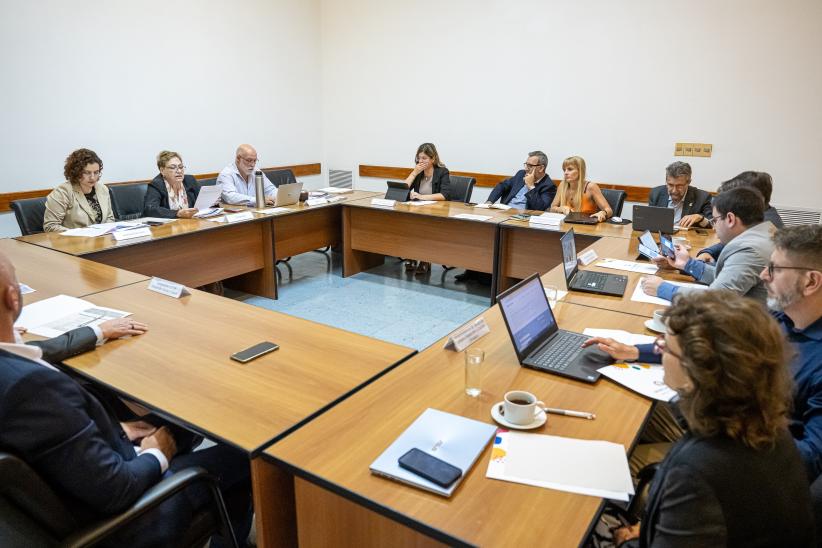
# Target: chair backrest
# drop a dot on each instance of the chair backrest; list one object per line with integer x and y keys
{"x": 207, "y": 182}
{"x": 29, "y": 214}
{"x": 462, "y": 188}
{"x": 616, "y": 199}
{"x": 127, "y": 200}
{"x": 280, "y": 176}
{"x": 29, "y": 507}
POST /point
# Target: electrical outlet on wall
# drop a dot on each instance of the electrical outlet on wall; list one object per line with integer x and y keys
{"x": 693, "y": 149}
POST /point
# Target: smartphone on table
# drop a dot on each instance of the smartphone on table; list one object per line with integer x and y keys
{"x": 430, "y": 467}
{"x": 253, "y": 352}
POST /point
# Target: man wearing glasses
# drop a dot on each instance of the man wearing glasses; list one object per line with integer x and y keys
{"x": 530, "y": 188}
{"x": 738, "y": 217}
{"x": 692, "y": 206}
{"x": 237, "y": 179}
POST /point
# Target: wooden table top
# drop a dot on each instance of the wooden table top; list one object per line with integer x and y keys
{"x": 338, "y": 448}
{"x": 609, "y": 230}
{"x": 51, "y": 273}
{"x": 440, "y": 209}
{"x": 246, "y": 405}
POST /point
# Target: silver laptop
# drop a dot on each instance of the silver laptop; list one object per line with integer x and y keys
{"x": 288, "y": 194}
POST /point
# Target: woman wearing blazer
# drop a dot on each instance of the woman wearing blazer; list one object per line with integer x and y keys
{"x": 82, "y": 200}
{"x": 576, "y": 194}
{"x": 429, "y": 180}
{"x": 172, "y": 193}
{"x": 735, "y": 479}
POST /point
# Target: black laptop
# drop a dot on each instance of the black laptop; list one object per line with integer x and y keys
{"x": 397, "y": 191}
{"x": 575, "y": 217}
{"x": 587, "y": 280}
{"x": 655, "y": 219}
{"x": 537, "y": 340}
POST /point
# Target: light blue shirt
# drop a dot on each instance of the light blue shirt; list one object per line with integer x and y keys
{"x": 677, "y": 209}
{"x": 519, "y": 200}
{"x": 237, "y": 190}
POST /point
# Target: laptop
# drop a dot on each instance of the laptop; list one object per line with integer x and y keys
{"x": 575, "y": 217}
{"x": 288, "y": 194}
{"x": 537, "y": 340}
{"x": 397, "y": 191}
{"x": 587, "y": 280}
{"x": 655, "y": 219}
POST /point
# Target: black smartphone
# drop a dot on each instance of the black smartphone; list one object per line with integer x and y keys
{"x": 430, "y": 468}
{"x": 666, "y": 246}
{"x": 252, "y": 352}
{"x": 520, "y": 216}
{"x": 701, "y": 231}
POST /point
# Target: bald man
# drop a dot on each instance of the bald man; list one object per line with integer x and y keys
{"x": 237, "y": 179}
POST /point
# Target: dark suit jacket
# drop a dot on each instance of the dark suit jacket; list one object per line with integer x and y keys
{"x": 695, "y": 200}
{"x": 718, "y": 492}
{"x": 68, "y": 437}
{"x": 539, "y": 197}
{"x": 71, "y": 343}
{"x": 440, "y": 182}
{"x": 156, "y": 204}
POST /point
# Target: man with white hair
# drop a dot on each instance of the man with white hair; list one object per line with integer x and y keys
{"x": 237, "y": 179}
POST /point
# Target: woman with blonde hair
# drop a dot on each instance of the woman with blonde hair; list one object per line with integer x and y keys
{"x": 577, "y": 194}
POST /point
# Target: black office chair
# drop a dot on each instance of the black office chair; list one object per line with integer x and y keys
{"x": 207, "y": 182}
{"x": 616, "y": 199}
{"x": 31, "y": 514}
{"x": 280, "y": 176}
{"x": 29, "y": 214}
{"x": 462, "y": 188}
{"x": 127, "y": 200}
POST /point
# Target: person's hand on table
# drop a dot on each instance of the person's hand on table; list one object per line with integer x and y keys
{"x": 650, "y": 284}
{"x": 600, "y": 216}
{"x": 615, "y": 349}
{"x": 270, "y": 200}
{"x": 187, "y": 213}
{"x": 414, "y": 195}
{"x": 137, "y": 430}
{"x": 162, "y": 440}
{"x": 114, "y": 329}
{"x": 565, "y": 210}
{"x": 687, "y": 221}
{"x": 705, "y": 258}
{"x": 624, "y": 534}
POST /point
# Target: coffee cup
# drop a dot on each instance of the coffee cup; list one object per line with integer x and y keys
{"x": 521, "y": 407}
{"x": 659, "y": 319}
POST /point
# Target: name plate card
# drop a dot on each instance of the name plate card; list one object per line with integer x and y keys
{"x": 316, "y": 201}
{"x": 462, "y": 338}
{"x": 130, "y": 234}
{"x": 168, "y": 288}
{"x": 588, "y": 257}
{"x": 382, "y": 202}
{"x": 237, "y": 217}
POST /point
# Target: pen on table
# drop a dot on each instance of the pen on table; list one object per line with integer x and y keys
{"x": 566, "y": 412}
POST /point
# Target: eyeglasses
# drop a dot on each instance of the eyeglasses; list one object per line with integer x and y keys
{"x": 180, "y": 167}
{"x": 660, "y": 347}
{"x": 93, "y": 174}
{"x": 715, "y": 220}
{"x": 249, "y": 161}
{"x": 527, "y": 165}
{"x": 772, "y": 267}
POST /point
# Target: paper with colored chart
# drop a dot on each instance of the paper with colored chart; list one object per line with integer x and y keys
{"x": 587, "y": 467}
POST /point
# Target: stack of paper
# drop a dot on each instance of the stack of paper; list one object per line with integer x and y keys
{"x": 498, "y": 205}
{"x": 53, "y": 317}
{"x": 586, "y": 467}
{"x": 421, "y": 202}
{"x": 551, "y": 219}
{"x": 640, "y": 296}
{"x": 334, "y": 190}
{"x": 272, "y": 210}
{"x": 472, "y": 217}
{"x": 630, "y": 266}
{"x": 101, "y": 229}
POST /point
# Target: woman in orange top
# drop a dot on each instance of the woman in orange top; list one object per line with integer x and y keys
{"x": 577, "y": 194}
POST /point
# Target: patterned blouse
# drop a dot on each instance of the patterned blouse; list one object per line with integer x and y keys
{"x": 91, "y": 197}
{"x": 177, "y": 200}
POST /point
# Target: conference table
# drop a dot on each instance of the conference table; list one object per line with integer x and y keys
{"x": 50, "y": 273}
{"x": 339, "y": 502}
{"x": 181, "y": 369}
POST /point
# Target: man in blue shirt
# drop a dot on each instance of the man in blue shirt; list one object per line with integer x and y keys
{"x": 530, "y": 188}
{"x": 793, "y": 279}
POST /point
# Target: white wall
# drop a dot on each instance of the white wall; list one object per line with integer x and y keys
{"x": 128, "y": 79}
{"x": 615, "y": 82}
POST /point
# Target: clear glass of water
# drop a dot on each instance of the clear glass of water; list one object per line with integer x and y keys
{"x": 473, "y": 371}
{"x": 551, "y": 293}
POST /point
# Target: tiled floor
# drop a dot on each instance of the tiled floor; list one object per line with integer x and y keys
{"x": 385, "y": 302}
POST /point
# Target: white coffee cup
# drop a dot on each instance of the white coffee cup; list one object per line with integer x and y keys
{"x": 521, "y": 407}
{"x": 659, "y": 322}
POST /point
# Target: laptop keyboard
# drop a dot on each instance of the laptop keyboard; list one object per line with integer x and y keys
{"x": 590, "y": 278}
{"x": 561, "y": 352}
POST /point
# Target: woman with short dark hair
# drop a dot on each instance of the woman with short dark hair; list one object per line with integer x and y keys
{"x": 82, "y": 200}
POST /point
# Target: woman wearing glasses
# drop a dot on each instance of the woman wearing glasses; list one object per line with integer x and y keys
{"x": 172, "y": 193}
{"x": 82, "y": 200}
{"x": 735, "y": 478}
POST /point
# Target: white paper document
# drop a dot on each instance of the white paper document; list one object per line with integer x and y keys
{"x": 334, "y": 190}
{"x": 472, "y": 217}
{"x": 630, "y": 266}
{"x": 553, "y": 219}
{"x": 586, "y": 467}
{"x": 24, "y": 289}
{"x": 272, "y": 210}
{"x": 54, "y": 316}
{"x": 421, "y": 202}
{"x": 207, "y": 197}
{"x": 92, "y": 231}
{"x": 498, "y": 205}
{"x": 640, "y": 296}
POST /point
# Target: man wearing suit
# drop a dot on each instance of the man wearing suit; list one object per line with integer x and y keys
{"x": 530, "y": 188}
{"x": 738, "y": 216}
{"x": 692, "y": 206}
{"x": 78, "y": 447}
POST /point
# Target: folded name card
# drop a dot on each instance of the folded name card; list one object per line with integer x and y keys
{"x": 316, "y": 201}
{"x": 237, "y": 217}
{"x": 121, "y": 235}
{"x": 462, "y": 338}
{"x": 382, "y": 202}
{"x": 168, "y": 288}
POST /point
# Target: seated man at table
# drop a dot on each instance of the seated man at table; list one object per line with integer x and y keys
{"x": 237, "y": 179}
{"x": 529, "y": 188}
{"x": 76, "y": 444}
{"x": 793, "y": 279}
{"x": 740, "y": 225}
{"x": 692, "y": 206}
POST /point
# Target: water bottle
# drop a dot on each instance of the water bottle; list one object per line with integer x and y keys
{"x": 259, "y": 189}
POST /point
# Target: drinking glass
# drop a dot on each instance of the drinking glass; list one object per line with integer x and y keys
{"x": 473, "y": 371}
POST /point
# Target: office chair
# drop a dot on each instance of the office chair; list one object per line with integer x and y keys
{"x": 462, "y": 188}
{"x": 127, "y": 200}
{"x": 280, "y": 176}
{"x": 207, "y": 182}
{"x": 31, "y": 514}
{"x": 29, "y": 213}
{"x": 616, "y": 199}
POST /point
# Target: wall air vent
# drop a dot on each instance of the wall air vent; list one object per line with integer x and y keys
{"x": 794, "y": 216}
{"x": 338, "y": 178}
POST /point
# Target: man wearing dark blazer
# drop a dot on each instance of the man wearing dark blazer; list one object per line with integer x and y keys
{"x": 76, "y": 444}
{"x": 692, "y": 206}
{"x": 530, "y": 188}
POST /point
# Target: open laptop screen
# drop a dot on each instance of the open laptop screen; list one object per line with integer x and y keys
{"x": 527, "y": 315}
{"x": 569, "y": 254}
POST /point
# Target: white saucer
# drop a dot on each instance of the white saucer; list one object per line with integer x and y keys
{"x": 654, "y": 326}
{"x": 496, "y": 414}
